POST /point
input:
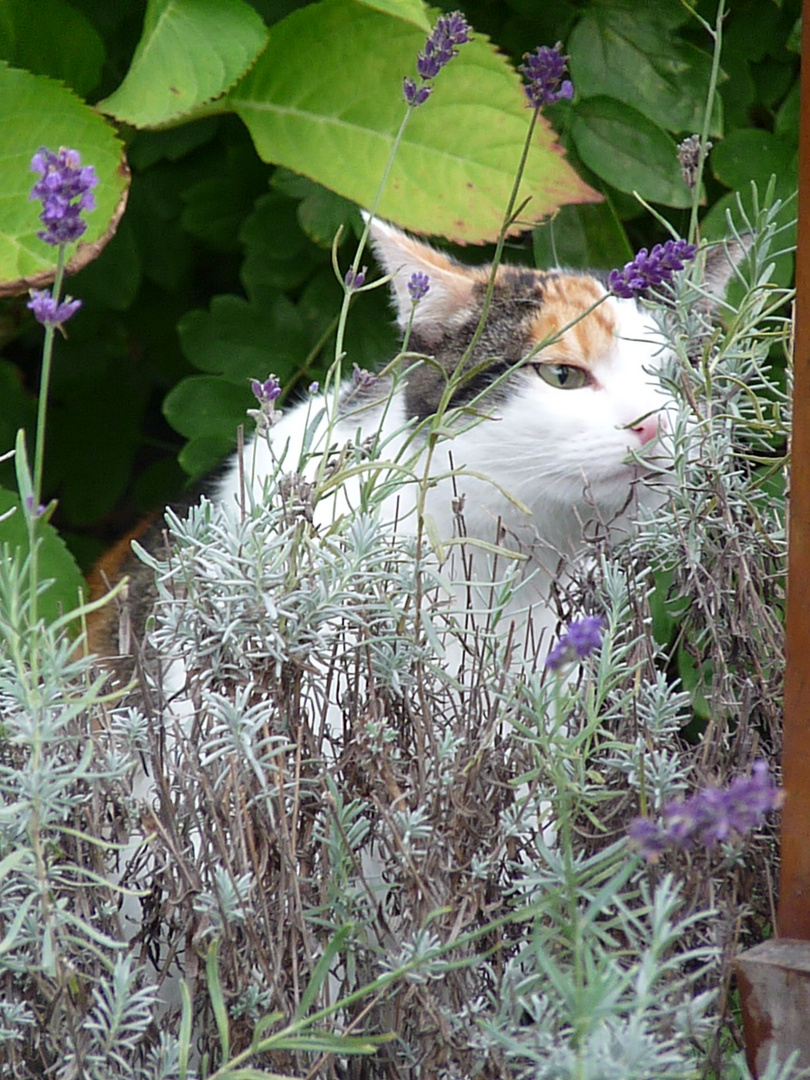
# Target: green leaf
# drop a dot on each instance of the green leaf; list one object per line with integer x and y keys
{"x": 582, "y": 236}
{"x": 669, "y": 76}
{"x": 205, "y": 405}
{"x": 628, "y": 151}
{"x": 39, "y": 112}
{"x": 113, "y": 279}
{"x": 57, "y": 41}
{"x": 190, "y": 52}
{"x": 278, "y": 253}
{"x": 321, "y": 213}
{"x": 216, "y": 205}
{"x": 371, "y": 339}
{"x": 333, "y": 948}
{"x": 18, "y": 411}
{"x": 696, "y": 679}
{"x": 201, "y": 455}
{"x": 91, "y": 474}
{"x": 232, "y": 339}
{"x": 55, "y": 561}
{"x": 217, "y": 998}
{"x": 410, "y": 10}
{"x": 325, "y": 99}
{"x": 753, "y": 154}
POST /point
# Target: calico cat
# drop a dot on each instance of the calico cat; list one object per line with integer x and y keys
{"x": 554, "y": 417}
{"x": 550, "y": 414}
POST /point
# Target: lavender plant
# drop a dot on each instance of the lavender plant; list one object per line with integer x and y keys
{"x": 355, "y": 864}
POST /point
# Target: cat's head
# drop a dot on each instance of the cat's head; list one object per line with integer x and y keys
{"x": 564, "y": 371}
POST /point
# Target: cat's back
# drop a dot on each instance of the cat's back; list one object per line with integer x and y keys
{"x": 351, "y": 421}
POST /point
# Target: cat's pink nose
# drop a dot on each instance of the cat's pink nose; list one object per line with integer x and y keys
{"x": 648, "y": 429}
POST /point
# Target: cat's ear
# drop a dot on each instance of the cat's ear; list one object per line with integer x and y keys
{"x": 722, "y": 263}
{"x": 448, "y": 301}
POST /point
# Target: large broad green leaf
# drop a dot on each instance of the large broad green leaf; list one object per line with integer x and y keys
{"x": 56, "y": 564}
{"x": 39, "y": 112}
{"x": 629, "y": 151}
{"x": 752, "y": 154}
{"x": 410, "y": 10}
{"x": 190, "y": 52}
{"x": 56, "y": 41}
{"x": 669, "y": 76}
{"x": 325, "y": 99}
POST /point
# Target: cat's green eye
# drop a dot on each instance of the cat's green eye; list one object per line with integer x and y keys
{"x": 563, "y": 376}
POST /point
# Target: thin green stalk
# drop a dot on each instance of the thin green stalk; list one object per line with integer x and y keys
{"x": 433, "y": 435}
{"x": 32, "y": 512}
{"x": 508, "y": 220}
{"x": 717, "y": 36}
{"x": 334, "y": 372}
{"x": 348, "y": 292}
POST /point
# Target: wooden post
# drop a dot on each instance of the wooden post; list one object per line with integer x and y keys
{"x": 774, "y": 978}
{"x": 794, "y": 881}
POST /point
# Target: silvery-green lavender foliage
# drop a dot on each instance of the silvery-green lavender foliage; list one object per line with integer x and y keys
{"x": 336, "y": 828}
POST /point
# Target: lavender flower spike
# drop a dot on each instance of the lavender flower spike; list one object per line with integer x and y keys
{"x": 582, "y": 638}
{"x": 266, "y": 394}
{"x": 647, "y": 271}
{"x": 355, "y": 280}
{"x": 50, "y": 313}
{"x": 65, "y": 188}
{"x": 711, "y": 816}
{"x": 449, "y": 32}
{"x": 418, "y": 286}
{"x": 267, "y": 391}
{"x": 544, "y": 70}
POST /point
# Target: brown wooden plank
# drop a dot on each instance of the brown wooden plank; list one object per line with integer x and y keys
{"x": 794, "y": 883}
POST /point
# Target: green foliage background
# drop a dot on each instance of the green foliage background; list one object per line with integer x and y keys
{"x": 220, "y": 267}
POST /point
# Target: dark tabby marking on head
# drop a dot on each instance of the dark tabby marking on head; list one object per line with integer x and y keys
{"x": 504, "y": 342}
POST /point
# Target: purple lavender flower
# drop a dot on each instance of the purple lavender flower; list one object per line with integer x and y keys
{"x": 449, "y": 32}
{"x": 711, "y": 816}
{"x": 362, "y": 379}
{"x": 65, "y": 188}
{"x": 647, "y": 837}
{"x": 647, "y": 271}
{"x": 48, "y": 312}
{"x": 313, "y": 387}
{"x": 544, "y": 70}
{"x": 29, "y": 505}
{"x": 582, "y": 638}
{"x": 415, "y": 95}
{"x": 355, "y": 279}
{"x": 418, "y": 286}
{"x": 266, "y": 392}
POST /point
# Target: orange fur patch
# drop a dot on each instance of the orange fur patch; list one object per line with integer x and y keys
{"x": 590, "y": 339}
{"x": 109, "y": 568}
